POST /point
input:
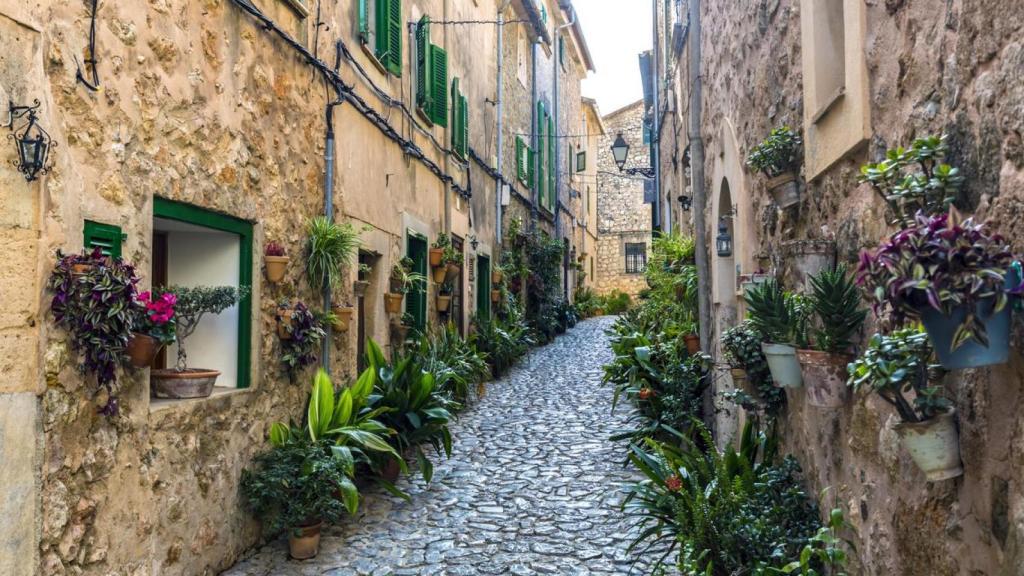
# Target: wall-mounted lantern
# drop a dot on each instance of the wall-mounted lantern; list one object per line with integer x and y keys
{"x": 686, "y": 202}
{"x": 723, "y": 243}
{"x": 33, "y": 143}
{"x": 620, "y": 151}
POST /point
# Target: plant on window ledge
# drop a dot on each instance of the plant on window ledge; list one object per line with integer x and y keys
{"x": 192, "y": 305}
{"x": 778, "y": 158}
{"x": 331, "y": 246}
{"x": 95, "y": 302}
{"x": 304, "y": 332}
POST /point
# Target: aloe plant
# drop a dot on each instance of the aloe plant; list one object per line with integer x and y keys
{"x": 835, "y": 301}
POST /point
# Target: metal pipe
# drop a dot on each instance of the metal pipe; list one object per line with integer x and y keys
{"x": 558, "y": 143}
{"x": 655, "y": 128}
{"x": 534, "y": 138}
{"x": 499, "y": 106}
{"x": 325, "y": 345}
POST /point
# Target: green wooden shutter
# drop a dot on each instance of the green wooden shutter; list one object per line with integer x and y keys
{"x": 106, "y": 237}
{"x": 416, "y": 298}
{"x": 439, "y": 74}
{"x": 464, "y": 124}
{"x": 531, "y": 165}
{"x": 552, "y": 166}
{"x": 383, "y": 39}
{"x": 424, "y": 87}
{"x": 458, "y": 146}
{"x": 483, "y": 286}
{"x": 541, "y": 192}
{"x": 394, "y": 32}
{"x": 520, "y": 159}
{"x": 364, "y": 23}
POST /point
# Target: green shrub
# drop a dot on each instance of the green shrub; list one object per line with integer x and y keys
{"x": 454, "y": 361}
{"x": 616, "y": 302}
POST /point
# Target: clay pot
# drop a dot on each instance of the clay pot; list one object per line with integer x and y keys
{"x": 436, "y": 255}
{"x": 399, "y": 332}
{"x": 783, "y": 365}
{"x": 191, "y": 383}
{"x": 304, "y": 542}
{"x": 692, "y": 343}
{"x": 284, "y": 321}
{"x": 497, "y": 276}
{"x": 785, "y": 190}
{"x": 739, "y": 379}
{"x": 824, "y": 375}
{"x": 390, "y": 470}
{"x": 495, "y": 295}
{"x": 359, "y": 288}
{"x": 141, "y": 350}
{"x": 395, "y": 285}
{"x": 344, "y": 317}
{"x": 81, "y": 268}
{"x": 393, "y": 302}
{"x": 934, "y": 446}
{"x": 451, "y": 271}
{"x": 443, "y": 303}
{"x": 276, "y": 267}
{"x": 440, "y": 274}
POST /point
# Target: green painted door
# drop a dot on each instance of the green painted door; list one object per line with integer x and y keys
{"x": 416, "y": 299}
{"x": 483, "y": 286}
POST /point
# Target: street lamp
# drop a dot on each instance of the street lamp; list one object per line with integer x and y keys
{"x": 33, "y": 143}
{"x": 686, "y": 202}
{"x": 723, "y": 242}
{"x": 620, "y": 150}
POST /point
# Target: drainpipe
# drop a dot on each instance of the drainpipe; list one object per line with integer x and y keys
{"x": 325, "y": 345}
{"x": 499, "y": 105}
{"x": 534, "y": 138}
{"x": 655, "y": 128}
{"x": 555, "y": 159}
{"x": 448, "y": 190}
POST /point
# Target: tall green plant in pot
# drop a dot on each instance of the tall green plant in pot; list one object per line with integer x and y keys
{"x": 838, "y": 317}
{"x": 781, "y": 319}
{"x": 898, "y": 368}
{"x": 330, "y": 248}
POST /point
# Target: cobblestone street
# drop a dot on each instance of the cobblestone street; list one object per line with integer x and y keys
{"x": 530, "y": 488}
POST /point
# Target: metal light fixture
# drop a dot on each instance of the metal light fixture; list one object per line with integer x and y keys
{"x": 686, "y": 202}
{"x": 33, "y": 143}
{"x": 723, "y": 243}
{"x": 474, "y": 242}
{"x": 620, "y": 151}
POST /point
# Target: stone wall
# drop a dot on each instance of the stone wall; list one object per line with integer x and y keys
{"x": 952, "y": 68}
{"x": 622, "y": 215}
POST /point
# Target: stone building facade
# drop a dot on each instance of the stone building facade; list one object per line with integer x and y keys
{"x": 623, "y": 217}
{"x": 215, "y": 111}
{"x": 905, "y": 70}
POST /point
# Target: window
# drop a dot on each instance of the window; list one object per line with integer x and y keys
{"x": 299, "y": 6}
{"x": 636, "y": 257}
{"x": 431, "y": 77}
{"x": 581, "y": 161}
{"x": 195, "y": 247}
{"x": 524, "y": 162}
{"x": 460, "y": 122}
{"x": 829, "y": 45}
{"x": 416, "y": 299}
{"x": 483, "y": 286}
{"x": 106, "y": 237}
{"x": 523, "y": 57}
{"x": 540, "y": 155}
{"x": 382, "y": 28}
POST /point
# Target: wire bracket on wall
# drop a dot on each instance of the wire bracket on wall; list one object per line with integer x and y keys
{"x": 90, "y": 60}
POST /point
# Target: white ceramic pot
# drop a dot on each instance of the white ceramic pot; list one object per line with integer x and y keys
{"x": 783, "y": 365}
{"x": 934, "y": 446}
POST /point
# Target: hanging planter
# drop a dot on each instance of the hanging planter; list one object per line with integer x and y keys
{"x": 142, "y": 349}
{"x": 692, "y": 343}
{"x": 739, "y": 378}
{"x": 359, "y": 288}
{"x": 452, "y": 271}
{"x": 802, "y": 259}
{"x": 444, "y": 302}
{"x": 497, "y": 276}
{"x": 824, "y": 375}
{"x": 970, "y": 354}
{"x": 783, "y": 365}
{"x": 393, "y": 302}
{"x": 285, "y": 321}
{"x": 440, "y": 274}
{"x": 495, "y": 295}
{"x": 342, "y": 317}
{"x": 785, "y": 190}
{"x": 934, "y": 445}
{"x": 436, "y": 256}
{"x": 304, "y": 542}
{"x": 399, "y": 331}
{"x": 778, "y": 158}
{"x": 275, "y": 262}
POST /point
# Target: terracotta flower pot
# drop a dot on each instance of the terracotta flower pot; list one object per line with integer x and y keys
{"x": 277, "y": 267}
{"x": 344, "y": 317}
{"x": 390, "y": 470}
{"x": 599, "y": 312}
{"x": 692, "y": 343}
{"x": 443, "y": 303}
{"x": 82, "y": 268}
{"x": 739, "y": 379}
{"x": 359, "y": 288}
{"x": 934, "y": 446}
{"x": 393, "y": 302}
{"x": 497, "y": 276}
{"x": 141, "y": 349}
{"x": 284, "y": 321}
{"x": 824, "y": 376}
{"x": 399, "y": 332}
{"x": 785, "y": 190}
{"x": 495, "y": 295}
{"x": 436, "y": 255}
{"x": 395, "y": 285}
{"x": 451, "y": 271}
{"x": 440, "y": 274}
{"x": 304, "y": 542}
{"x": 191, "y": 383}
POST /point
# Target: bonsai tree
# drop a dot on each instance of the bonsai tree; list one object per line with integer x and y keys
{"x": 836, "y": 304}
{"x": 192, "y": 304}
{"x": 778, "y": 154}
{"x": 915, "y": 179}
{"x": 330, "y": 248}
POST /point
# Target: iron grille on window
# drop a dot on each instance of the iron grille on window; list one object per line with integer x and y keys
{"x": 636, "y": 257}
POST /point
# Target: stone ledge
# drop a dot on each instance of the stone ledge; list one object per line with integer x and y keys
{"x": 220, "y": 398}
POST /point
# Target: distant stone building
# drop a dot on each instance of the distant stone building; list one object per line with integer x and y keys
{"x": 623, "y": 219}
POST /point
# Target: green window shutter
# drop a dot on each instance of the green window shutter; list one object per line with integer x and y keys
{"x": 552, "y": 166}
{"x": 531, "y": 163}
{"x": 521, "y": 159}
{"x": 439, "y": 75}
{"x": 541, "y": 192}
{"x": 394, "y": 32}
{"x": 458, "y": 120}
{"x": 383, "y": 39}
{"x": 364, "y": 22}
{"x": 483, "y": 289}
{"x": 424, "y": 87}
{"x": 106, "y": 237}
{"x": 464, "y": 124}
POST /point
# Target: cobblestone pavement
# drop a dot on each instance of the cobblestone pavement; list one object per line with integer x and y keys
{"x": 530, "y": 488}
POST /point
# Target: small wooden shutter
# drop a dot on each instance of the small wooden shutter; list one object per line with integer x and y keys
{"x": 541, "y": 123}
{"x": 364, "y": 23}
{"x": 521, "y": 158}
{"x": 424, "y": 87}
{"x": 552, "y": 166}
{"x": 394, "y": 32}
{"x": 106, "y": 237}
{"x": 439, "y": 73}
{"x": 464, "y": 124}
{"x": 458, "y": 120}
{"x": 383, "y": 39}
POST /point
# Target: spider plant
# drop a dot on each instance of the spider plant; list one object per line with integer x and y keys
{"x": 331, "y": 247}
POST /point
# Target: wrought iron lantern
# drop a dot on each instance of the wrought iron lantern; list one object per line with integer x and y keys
{"x": 33, "y": 143}
{"x": 686, "y": 202}
{"x": 620, "y": 151}
{"x": 723, "y": 243}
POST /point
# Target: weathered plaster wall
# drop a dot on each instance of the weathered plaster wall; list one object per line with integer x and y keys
{"x": 952, "y": 68}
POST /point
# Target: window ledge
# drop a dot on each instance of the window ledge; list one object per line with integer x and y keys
{"x": 373, "y": 58}
{"x": 830, "y": 103}
{"x": 220, "y": 398}
{"x": 299, "y": 6}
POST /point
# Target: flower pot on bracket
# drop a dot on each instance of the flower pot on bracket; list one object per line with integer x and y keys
{"x": 824, "y": 376}
{"x": 393, "y": 302}
{"x": 276, "y": 267}
{"x": 399, "y": 332}
{"x": 495, "y": 295}
{"x": 284, "y": 322}
{"x": 783, "y": 365}
{"x": 970, "y": 354}
{"x": 343, "y": 317}
{"x": 304, "y": 542}
{"x": 934, "y": 445}
{"x": 142, "y": 349}
{"x": 443, "y": 303}
{"x": 739, "y": 379}
{"x": 692, "y": 343}
{"x": 451, "y": 271}
{"x": 784, "y": 190}
{"x": 497, "y": 276}
{"x": 802, "y": 259}
{"x": 436, "y": 255}
{"x": 440, "y": 274}
{"x": 191, "y": 383}
{"x": 359, "y": 288}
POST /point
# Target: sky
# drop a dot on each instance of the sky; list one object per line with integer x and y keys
{"x": 616, "y": 36}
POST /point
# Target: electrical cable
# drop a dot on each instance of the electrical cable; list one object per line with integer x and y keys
{"x": 90, "y": 61}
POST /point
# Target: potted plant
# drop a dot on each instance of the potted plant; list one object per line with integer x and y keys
{"x": 330, "y": 247}
{"x": 836, "y": 305}
{"x": 497, "y": 275}
{"x": 363, "y": 280}
{"x": 342, "y": 316}
{"x": 496, "y": 295}
{"x": 444, "y": 297}
{"x": 780, "y": 317}
{"x": 438, "y": 249}
{"x": 453, "y": 263}
{"x": 956, "y": 277}
{"x": 301, "y": 332}
{"x": 778, "y": 158}
{"x": 896, "y": 365}
{"x": 94, "y": 301}
{"x": 275, "y": 261}
{"x": 690, "y": 337}
{"x": 742, "y": 347}
{"x": 191, "y": 305}
{"x": 153, "y": 327}
{"x": 400, "y": 329}
{"x": 403, "y": 279}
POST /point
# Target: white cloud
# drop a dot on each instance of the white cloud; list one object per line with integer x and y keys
{"x": 616, "y": 36}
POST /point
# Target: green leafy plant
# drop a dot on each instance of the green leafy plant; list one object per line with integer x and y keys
{"x": 503, "y": 340}
{"x": 616, "y": 302}
{"x": 454, "y": 361}
{"x": 403, "y": 279}
{"x": 742, "y": 347}
{"x": 192, "y": 304}
{"x": 895, "y": 365}
{"x": 780, "y": 317}
{"x": 835, "y": 301}
{"x": 777, "y": 154}
{"x": 825, "y": 553}
{"x": 330, "y": 247}
{"x": 915, "y": 179}
{"x": 305, "y": 331}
